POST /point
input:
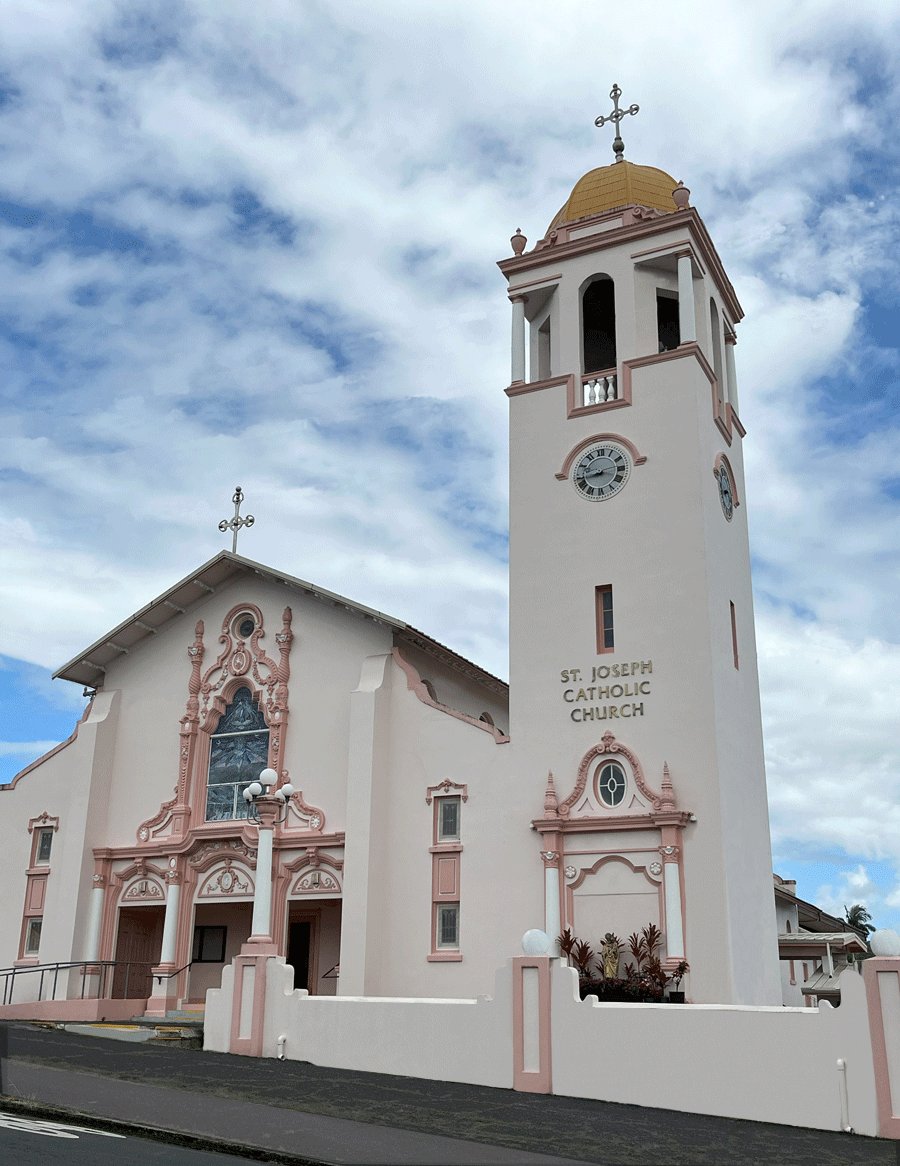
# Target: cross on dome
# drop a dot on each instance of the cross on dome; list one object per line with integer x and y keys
{"x": 615, "y": 117}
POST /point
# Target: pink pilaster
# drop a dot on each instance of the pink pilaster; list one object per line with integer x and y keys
{"x": 881, "y": 975}
{"x": 531, "y": 1024}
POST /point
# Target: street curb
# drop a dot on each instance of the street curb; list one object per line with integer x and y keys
{"x": 40, "y": 1110}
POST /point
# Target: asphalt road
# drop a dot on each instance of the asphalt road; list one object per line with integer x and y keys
{"x": 25, "y": 1141}
{"x": 344, "y": 1109}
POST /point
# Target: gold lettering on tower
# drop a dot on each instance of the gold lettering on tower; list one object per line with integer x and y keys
{"x": 607, "y": 692}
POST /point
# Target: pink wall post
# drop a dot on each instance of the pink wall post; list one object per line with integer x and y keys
{"x": 881, "y": 975}
{"x": 531, "y": 1024}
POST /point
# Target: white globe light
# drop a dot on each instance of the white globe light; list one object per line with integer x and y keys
{"x": 268, "y": 777}
{"x": 254, "y": 789}
{"x": 535, "y": 942}
{"x": 279, "y": 795}
{"x": 287, "y": 789}
{"x": 885, "y": 943}
{"x": 247, "y": 795}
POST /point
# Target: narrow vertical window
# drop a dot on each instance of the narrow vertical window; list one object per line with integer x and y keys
{"x": 448, "y": 926}
{"x": 448, "y": 819}
{"x": 734, "y": 636}
{"x": 45, "y": 841}
{"x": 33, "y": 936}
{"x": 598, "y": 321}
{"x": 668, "y": 327}
{"x": 604, "y": 604}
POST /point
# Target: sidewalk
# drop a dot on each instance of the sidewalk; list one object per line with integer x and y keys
{"x": 331, "y": 1116}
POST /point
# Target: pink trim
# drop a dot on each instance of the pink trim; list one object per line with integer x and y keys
{"x": 643, "y": 229}
{"x": 733, "y": 421}
{"x": 250, "y": 1046}
{"x": 541, "y": 1079}
{"x": 445, "y": 787}
{"x": 889, "y": 1123}
{"x": 615, "y": 856}
{"x": 608, "y": 745}
{"x": 88, "y": 1009}
{"x": 50, "y": 753}
{"x": 534, "y": 282}
{"x": 721, "y": 459}
{"x": 685, "y": 248}
{"x": 414, "y": 683}
{"x": 637, "y": 457}
{"x": 444, "y": 957}
{"x": 519, "y": 387}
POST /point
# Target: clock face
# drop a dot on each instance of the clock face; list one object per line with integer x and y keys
{"x": 726, "y": 493}
{"x": 601, "y": 471}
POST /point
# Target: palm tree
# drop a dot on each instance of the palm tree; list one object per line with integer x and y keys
{"x": 861, "y": 920}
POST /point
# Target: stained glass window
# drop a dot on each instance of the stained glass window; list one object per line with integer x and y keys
{"x": 238, "y": 753}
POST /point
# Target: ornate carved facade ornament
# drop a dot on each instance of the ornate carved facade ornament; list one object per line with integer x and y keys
{"x": 308, "y": 817}
{"x": 159, "y": 823}
{"x": 551, "y": 803}
{"x": 233, "y": 847}
{"x": 609, "y": 745}
{"x": 445, "y": 787}
{"x": 570, "y": 872}
{"x": 315, "y": 882}
{"x": 227, "y": 880}
{"x": 144, "y": 890}
{"x": 550, "y": 857}
{"x": 43, "y": 820}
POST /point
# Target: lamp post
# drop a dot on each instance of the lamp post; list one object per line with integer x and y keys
{"x": 266, "y": 809}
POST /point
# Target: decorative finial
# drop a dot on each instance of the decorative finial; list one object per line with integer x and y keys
{"x": 551, "y": 804}
{"x": 518, "y": 242}
{"x": 668, "y": 790}
{"x": 237, "y": 522}
{"x": 615, "y": 117}
{"x": 681, "y": 195}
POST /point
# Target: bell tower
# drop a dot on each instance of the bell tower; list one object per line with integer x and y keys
{"x": 632, "y": 646}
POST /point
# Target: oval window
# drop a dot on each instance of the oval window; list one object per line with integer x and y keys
{"x": 245, "y": 628}
{"x": 611, "y": 784}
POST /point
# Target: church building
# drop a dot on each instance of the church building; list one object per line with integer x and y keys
{"x": 432, "y": 814}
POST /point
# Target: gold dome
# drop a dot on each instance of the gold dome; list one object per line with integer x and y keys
{"x": 621, "y": 184}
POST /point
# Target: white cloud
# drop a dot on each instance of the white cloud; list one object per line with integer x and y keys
{"x": 344, "y": 358}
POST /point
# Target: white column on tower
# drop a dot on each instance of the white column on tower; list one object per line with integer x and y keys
{"x": 687, "y": 321}
{"x": 518, "y": 339}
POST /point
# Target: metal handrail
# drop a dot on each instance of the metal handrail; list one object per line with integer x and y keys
{"x": 169, "y": 975}
{"x": 106, "y": 980}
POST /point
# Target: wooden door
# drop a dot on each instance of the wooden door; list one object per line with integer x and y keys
{"x": 138, "y": 948}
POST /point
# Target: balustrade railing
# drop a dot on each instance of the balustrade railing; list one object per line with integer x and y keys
{"x": 600, "y": 387}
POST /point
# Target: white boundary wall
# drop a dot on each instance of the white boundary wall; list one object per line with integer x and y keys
{"x": 762, "y": 1064}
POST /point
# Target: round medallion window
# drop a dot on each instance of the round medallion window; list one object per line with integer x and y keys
{"x": 611, "y": 784}
{"x": 246, "y": 627}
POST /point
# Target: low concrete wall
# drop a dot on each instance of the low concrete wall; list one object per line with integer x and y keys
{"x": 442, "y": 1040}
{"x": 794, "y": 1066}
{"x": 763, "y": 1064}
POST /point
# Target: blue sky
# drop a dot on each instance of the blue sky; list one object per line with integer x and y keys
{"x": 256, "y": 244}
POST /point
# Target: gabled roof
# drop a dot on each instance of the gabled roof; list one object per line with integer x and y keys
{"x": 89, "y": 666}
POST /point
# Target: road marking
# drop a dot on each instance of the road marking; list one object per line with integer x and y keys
{"x": 50, "y": 1129}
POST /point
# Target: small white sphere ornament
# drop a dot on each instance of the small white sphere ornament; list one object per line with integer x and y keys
{"x": 885, "y": 943}
{"x": 535, "y": 942}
